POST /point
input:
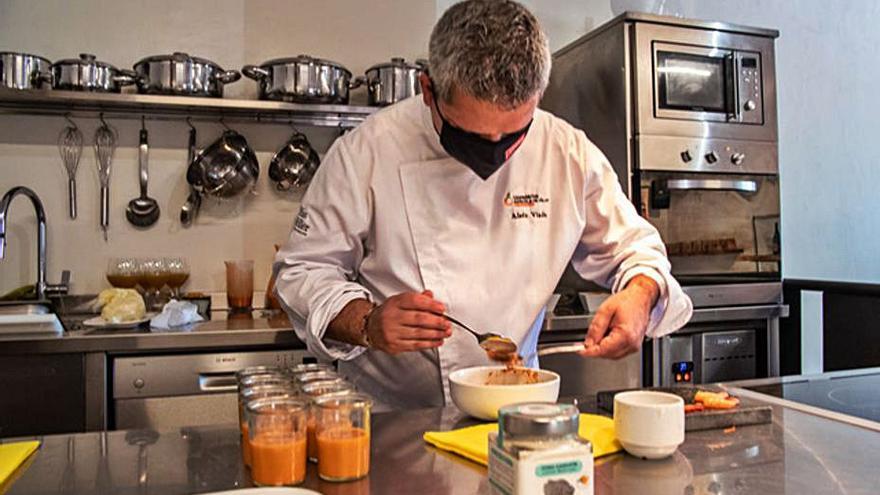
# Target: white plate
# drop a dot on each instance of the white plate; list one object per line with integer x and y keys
{"x": 99, "y": 322}
{"x": 266, "y": 490}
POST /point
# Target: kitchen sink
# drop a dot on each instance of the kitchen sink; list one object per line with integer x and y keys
{"x": 26, "y": 318}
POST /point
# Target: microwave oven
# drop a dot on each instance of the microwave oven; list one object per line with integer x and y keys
{"x": 708, "y": 83}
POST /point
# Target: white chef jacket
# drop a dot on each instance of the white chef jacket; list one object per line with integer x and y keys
{"x": 389, "y": 211}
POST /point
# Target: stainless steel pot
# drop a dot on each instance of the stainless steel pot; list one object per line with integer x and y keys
{"x": 86, "y": 73}
{"x": 302, "y": 79}
{"x": 393, "y": 81}
{"x": 226, "y": 168}
{"x": 23, "y": 71}
{"x": 181, "y": 74}
{"x": 293, "y": 165}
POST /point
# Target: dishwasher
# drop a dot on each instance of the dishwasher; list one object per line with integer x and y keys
{"x": 170, "y": 391}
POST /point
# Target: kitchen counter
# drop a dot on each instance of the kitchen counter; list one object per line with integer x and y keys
{"x": 798, "y": 453}
{"x": 254, "y": 330}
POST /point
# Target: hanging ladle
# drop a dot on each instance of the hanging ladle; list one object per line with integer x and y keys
{"x": 143, "y": 211}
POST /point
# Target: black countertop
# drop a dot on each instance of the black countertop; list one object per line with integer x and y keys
{"x": 799, "y": 453}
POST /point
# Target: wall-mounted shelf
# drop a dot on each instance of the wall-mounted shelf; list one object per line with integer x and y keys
{"x": 160, "y": 107}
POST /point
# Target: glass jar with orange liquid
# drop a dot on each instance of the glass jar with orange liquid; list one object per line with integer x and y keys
{"x": 301, "y": 368}
{"x": 313, "y": 390}
{"x": 315, "y": 376}
{"x": 343, "y": 436}
{"x": 251, "y": 394}
{"x": 277, "y": 434}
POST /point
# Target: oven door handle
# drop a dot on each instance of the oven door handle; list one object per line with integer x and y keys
{"x": 217, "y": 382}
{"x": 732, "y": 92}
{"x": 743, "y": 186}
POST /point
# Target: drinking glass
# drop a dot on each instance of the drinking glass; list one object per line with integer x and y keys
{"x": 240, "y": 284}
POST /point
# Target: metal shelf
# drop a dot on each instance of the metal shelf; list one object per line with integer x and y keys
{"x": 161, "y": 107}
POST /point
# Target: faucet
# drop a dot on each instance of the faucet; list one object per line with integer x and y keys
{"x": 42, "y": 288}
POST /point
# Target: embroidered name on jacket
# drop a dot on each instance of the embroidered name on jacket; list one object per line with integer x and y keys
{"x": 301, "y": 224}
{"x": 529, "y": 205}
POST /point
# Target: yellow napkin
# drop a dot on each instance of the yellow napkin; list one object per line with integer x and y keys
{"x": 12, "y": 455}
{"x": 473, "y": 442}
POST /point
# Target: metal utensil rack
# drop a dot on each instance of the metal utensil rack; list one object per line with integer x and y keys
{"x": 161, "y": 107}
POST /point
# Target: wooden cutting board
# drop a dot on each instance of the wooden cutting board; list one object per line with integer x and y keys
{"x": 747, "y": 412}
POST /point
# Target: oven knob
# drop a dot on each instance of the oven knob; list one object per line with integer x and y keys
{"x": 750, "y": 105}
{"x": 711, "y": 157}
{"x": 686, "y": 156}
{"x": 138, "y": 383}
{"x": 737, "y": 158}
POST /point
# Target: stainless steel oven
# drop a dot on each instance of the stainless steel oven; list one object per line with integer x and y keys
{"x": 172, "y": 391}
{"x": 685, "y": 111}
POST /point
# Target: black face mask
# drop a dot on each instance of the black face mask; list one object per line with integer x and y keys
{"x": 481, "y": 155}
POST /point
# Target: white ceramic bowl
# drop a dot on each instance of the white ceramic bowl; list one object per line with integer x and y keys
{"x": 649, "y": 424}
{"x": 471, "y": 394}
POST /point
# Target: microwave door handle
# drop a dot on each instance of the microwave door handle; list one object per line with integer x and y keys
{"x": 732, "y": 96}
{"x": 742, "y": 186}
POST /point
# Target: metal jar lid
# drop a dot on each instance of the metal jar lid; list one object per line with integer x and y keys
{"x": 547, "y": 419}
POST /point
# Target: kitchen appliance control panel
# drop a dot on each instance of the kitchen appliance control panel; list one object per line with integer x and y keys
{"x": 689, "y": 154}
{"x": 751, "y": 102}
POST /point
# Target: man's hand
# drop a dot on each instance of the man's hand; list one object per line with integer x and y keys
{"x": 619, "y": 325}
{"x": 409, "y": 321}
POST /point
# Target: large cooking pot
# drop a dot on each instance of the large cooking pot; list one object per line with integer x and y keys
{"x": 393, "y": 81}
{"x": 23, "y": 71}
{"x": 181, "y": 74}
{"x": 86, "y": 73}
{"x": 302, "y": 79}
{"x": 225, "y": 169}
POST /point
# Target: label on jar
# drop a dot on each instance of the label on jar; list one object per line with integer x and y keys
{"x": 564, "y": 471}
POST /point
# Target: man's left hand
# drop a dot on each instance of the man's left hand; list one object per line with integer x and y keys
{"x": 619, "y": 325}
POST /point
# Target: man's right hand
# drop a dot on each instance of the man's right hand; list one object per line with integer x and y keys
{"x": 410, "y": 321}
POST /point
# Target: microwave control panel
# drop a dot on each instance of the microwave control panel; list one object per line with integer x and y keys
{"x": 750, "y": 97}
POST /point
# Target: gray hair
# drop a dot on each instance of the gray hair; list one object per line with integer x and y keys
{"x": 492, "y": 50}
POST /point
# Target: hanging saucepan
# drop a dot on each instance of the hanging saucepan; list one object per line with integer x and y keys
{"x": 23, "y": 71}
{"x": 183, "y": 75}
{"x": 227, "y": 168}
{"x": 293, "y": 165}
{"x": 86, "y": 73}
{"x": 302, "y": 79}
{"x": 393, "y": 81}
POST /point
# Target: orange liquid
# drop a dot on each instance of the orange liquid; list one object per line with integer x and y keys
{"x": 246, "y": 455}
{"x": 343, "y": 453}
{"x": 278, "y": 459}
{"x": 312, "y": 442}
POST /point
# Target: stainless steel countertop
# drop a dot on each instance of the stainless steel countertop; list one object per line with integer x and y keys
{"x": 798, "y": 453}
{"x": 252, "y": 330}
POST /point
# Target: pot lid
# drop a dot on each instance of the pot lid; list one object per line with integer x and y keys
{"x": 303, "y": 59}
{"x": 180, "y": 57}
{"x": 85, "y": 59}
{"x": 21, "y": 54}
{"x": 400, "y": 62}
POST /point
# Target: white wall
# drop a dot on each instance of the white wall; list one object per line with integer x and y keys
{"x": 229, "y": 32}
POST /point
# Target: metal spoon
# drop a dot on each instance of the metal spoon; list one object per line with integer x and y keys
{"x": 143, "y": 211}
{"x": 498, "y": 348}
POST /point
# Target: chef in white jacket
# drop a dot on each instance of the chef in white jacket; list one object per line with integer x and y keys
{"x": 466, "y": 200}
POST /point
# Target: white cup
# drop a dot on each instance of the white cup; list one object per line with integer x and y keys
{"x": 649, "y": 424}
